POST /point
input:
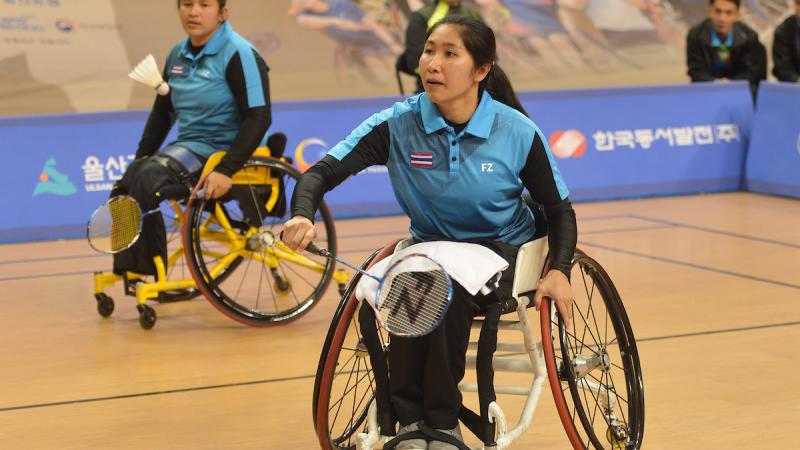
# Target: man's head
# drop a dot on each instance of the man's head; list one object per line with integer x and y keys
{"x": 797, "y": 8}
{"x": 724, "y": 13}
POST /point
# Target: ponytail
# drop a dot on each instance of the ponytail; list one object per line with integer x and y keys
{"x": 499, "y": 87}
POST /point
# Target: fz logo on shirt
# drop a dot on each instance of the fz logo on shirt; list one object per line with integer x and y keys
{"x": 487, "y": 167}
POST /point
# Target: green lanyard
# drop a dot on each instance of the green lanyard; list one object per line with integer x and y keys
{"x": 439, "y": 13}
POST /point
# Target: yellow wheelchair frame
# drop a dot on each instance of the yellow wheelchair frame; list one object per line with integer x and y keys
{"x": 216, "y": 227}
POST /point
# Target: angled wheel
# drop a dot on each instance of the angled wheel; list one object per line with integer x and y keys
{"x": 345, "y": 384}
{"x": 593, "y": 366}
{"x": 173, "y": 216}
{"x": 232, "y": 252}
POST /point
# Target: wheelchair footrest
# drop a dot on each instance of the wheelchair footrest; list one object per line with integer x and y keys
{"x": 130, "y": 285}
{"x": 178, "y": 295}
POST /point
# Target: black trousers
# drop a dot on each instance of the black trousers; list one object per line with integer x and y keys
{"x": 424, "y": 372}
{"x": 150, "y": 181}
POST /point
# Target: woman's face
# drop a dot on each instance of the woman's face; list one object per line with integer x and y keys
{"x": 446, "y": 67}
{"x": 201, "y": 18}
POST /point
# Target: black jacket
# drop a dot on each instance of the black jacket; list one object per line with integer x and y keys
{"x": 784, "y": 51}
{"x": 748, "y": 55}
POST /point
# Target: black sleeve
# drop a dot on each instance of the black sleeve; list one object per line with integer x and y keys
{"x": 160, "y": 121}
{"x": 562, "y": 235}
{"x": 255, "y": 120}
{"x": 752, "y": 64}
{"x": 783, "y": 50}
{"x": 697, "y": 68}
{"x": 416, "y": 32}
{"x": 329, "y": 172}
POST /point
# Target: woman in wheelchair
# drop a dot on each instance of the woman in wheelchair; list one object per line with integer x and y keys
{"x": 459, "y": 156}
{"x": 219, "y": 94}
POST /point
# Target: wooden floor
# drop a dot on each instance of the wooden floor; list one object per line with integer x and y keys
{"x": 711, "y": 284}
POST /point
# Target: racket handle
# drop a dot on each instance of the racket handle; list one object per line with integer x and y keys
{"x": 318, "y": 251}
{"x": 312, "y": 248}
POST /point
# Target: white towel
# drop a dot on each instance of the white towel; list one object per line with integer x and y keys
{"x": 470, "y": 265}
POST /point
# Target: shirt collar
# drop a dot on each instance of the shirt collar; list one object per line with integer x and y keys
{"x": 213, "y": 46}
{"x": 480, "y": 124}
{"x": 716, "y": 42}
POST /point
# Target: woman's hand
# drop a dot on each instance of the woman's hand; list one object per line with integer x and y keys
{"x": 555, "y": 285}
{"x": 298, "y": 232}
{"x": 217, "y": 185}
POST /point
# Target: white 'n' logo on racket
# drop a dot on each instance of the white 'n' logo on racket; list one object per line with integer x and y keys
{"x": 413, "y": 300}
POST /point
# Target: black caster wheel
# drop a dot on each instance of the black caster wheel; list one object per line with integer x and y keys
{"x": 105, "y": 304}
{"x": 282, "y": 286}
{"x": 147, "y": 316}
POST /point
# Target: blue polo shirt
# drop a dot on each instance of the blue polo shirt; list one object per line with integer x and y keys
{"x": 208, "y": 116}
{"x": 459, "y": 185}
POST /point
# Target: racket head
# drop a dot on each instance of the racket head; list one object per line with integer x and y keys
{"x": 414, "y": 296}
{"x": 115, "y": 225}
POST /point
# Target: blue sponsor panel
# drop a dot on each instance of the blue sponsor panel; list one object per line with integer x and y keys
{"x": 644, "y": 141}
{"x": 609, "y": 143}
{"x": 773, "y": 161}
{"x": 58, "y": 169}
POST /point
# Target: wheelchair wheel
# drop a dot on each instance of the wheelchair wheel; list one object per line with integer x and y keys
{"x": 175, "y": 265}
{"x": 231, "y": 251}
{"x": 593, "y": 366}
{"x": 344, "y": 387}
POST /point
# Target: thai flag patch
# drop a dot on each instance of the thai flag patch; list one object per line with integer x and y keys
{"x": 419, "y": 159}
{"x": 177, "y": 69}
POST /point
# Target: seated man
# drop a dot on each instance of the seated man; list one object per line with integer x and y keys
{"x": 786, "y": 48}
{"x": 417, "y": 31}
{"x": 722, "y": 48}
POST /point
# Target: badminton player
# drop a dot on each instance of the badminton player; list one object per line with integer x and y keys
{"x": 219, "y": 95}
{"x": 459, "y": 156}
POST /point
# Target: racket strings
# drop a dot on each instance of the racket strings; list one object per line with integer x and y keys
{"x": 116, "y": 225}
{"x": 414, "y": 302}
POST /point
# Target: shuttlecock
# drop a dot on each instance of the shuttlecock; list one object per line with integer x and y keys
{"x": 147, "y": 72}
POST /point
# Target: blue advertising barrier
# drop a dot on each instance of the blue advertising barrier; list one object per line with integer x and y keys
{"x": 773, "y": 161}
{"x": 609, "y": 143}
{"x": 644, "y": 141}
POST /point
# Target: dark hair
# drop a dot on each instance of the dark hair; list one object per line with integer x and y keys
{"x": 480, "y": 43}
{"x": 738, "y": 3}
{"x": 221, "y": 3}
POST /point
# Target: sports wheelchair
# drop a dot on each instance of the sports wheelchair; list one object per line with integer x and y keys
{"x": 224, "y": 246}
{"x": 592, "y": 366}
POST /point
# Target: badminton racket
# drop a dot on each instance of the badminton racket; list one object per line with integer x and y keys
{"x": 413, "y": 295}
{"x": 117, "y": 224}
